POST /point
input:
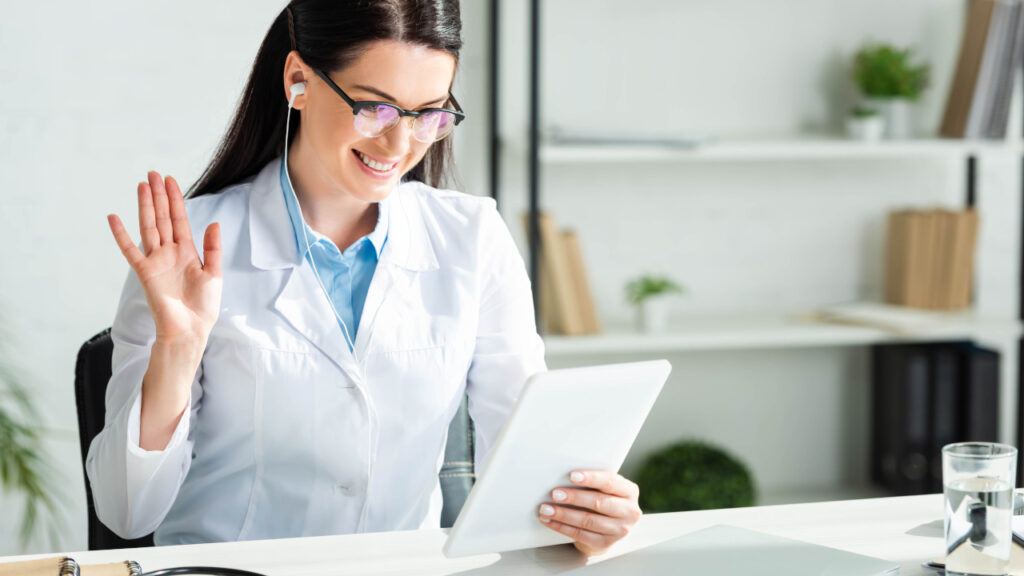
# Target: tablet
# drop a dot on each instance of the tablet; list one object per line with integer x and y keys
{"x": 565, "y": 420}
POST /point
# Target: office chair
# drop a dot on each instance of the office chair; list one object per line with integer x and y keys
{"x": 92, "y": 372}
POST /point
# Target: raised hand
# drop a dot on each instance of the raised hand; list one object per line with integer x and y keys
{"x": 183, "y": 292}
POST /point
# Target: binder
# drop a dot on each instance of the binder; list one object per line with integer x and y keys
{"x": 981, "y": 396}
{"x": 947, "y": 417}
{"x": 67, "y": 566}
{"x": 901, "y": 438}
{"x": 926, "y": 396}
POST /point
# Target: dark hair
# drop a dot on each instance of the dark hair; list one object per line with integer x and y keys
{"x": 329, "y": 35}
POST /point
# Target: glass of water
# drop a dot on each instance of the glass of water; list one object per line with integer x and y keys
{"x": 978, "y": 480}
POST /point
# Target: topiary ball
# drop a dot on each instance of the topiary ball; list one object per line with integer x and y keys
{"x": 693, "y": 476}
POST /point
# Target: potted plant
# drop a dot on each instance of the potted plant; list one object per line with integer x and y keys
{"x": 890, "y": 80}
{"x": 25, "y": 468}
{"x": 693, "y": 475}
{"x": 865, "y": 124}
{"x": 650, "y": 295}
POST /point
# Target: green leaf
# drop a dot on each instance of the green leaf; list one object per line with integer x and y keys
{"x": 882, "y": 70}
{"x": 644, "y": 287}
{"x": 25, "y": 468}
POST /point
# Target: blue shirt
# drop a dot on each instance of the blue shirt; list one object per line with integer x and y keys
{"x": 346, "y": 275}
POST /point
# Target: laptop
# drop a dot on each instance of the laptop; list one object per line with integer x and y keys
{"x": 565, "y": 420}
{"x": 730, "y": 551}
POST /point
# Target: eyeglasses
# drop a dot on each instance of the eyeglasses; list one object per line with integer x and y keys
{"x": 374, "y": 119}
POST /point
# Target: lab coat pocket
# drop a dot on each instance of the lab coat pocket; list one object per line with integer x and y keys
{"x": 294, "y": 387}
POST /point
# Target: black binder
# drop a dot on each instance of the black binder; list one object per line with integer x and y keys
{"x": 981, "y": 396}
{"x": 925, "y": 396}
{"x": 901, "y": 438}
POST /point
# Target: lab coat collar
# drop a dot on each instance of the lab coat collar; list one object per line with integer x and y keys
{"x": 272, "y": 236}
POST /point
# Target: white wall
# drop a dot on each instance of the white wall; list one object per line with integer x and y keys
{"x": 95, "y": 94}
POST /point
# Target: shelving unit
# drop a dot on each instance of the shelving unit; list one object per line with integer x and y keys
{"x": 782, "y": 149}
{"x": 744, "y": 332}
{"x": 764, "y": 330}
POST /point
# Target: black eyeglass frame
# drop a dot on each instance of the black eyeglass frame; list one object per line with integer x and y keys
{"x": 358, "y": 105}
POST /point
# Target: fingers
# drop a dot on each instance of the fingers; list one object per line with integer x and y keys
{"x": 607, "y": 482}
{"x": 147, "y": 219}
{"x": 179, "y": 219}
{"x": 124, "y": 241}
{"x": 585, "y": 540}
{"x": 584, "y": 520}
{"x": 161, "y": 207}
{"x": 606, "y": 504}
{"x": 212, "y": 250}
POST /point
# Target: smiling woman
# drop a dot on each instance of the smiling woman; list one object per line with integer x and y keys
{"x": 300, "y": 377}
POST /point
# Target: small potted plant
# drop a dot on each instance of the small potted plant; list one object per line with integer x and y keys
{"x": 890, "y": 81}
{"x": 865, "y": 124}
{"x": 651, "y": 296}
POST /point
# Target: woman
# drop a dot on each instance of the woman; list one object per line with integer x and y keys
{"x": 300, "y": 378}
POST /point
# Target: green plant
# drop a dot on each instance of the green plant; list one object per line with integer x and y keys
{"x": 693, "y": 475}
{"x": 642, "y": 288}
{"x": 882, "y": 70}
{"x": 863, "y": 112}
{"x": 24, "y": 466}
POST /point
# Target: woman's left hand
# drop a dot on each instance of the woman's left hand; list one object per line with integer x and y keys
{"x": 597, "y": 512}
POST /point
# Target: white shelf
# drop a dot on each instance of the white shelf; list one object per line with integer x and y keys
{"x": 765, "y": 330}
{"x": 796, "y": 148}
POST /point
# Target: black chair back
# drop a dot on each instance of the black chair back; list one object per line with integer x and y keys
{"x": 92, "y": 373}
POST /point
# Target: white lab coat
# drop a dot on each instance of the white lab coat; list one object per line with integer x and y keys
{"x": 288, "y": 435}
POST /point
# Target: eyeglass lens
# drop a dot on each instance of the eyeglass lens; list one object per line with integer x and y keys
{"x": 374, "y": 121}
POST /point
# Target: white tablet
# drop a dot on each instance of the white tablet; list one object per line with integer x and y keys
{"x": 565, "y": 420}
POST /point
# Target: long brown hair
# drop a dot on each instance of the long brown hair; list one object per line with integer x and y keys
{"x": 329, "y": 35}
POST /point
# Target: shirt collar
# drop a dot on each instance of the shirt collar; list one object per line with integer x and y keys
{"x": 378, "y": 237}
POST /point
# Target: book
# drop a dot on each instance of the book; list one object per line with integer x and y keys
{"x": 926, "y": 249}
{"x": 896, "y": 257}
{"x": 941, "y": 282}
{"x": 972, "y": 47}
{"x": 584, "y": 298}
{"x": 564, "y": 315}
{"x": 983, "y": 88}
{"x": 917, "y": 234}
{"x": 1009, "y": 63}
{"x": 967, "y": 241}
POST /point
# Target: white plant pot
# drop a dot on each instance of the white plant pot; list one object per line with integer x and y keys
{"x": 865, "y": 129}
{"x": 653, "y": 314}
{"x": 896, "y": 113}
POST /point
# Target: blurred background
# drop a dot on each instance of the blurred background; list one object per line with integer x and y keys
{"x": 812, "y": 208}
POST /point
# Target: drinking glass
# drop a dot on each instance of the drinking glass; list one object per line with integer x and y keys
{"x": 978, "y": 480}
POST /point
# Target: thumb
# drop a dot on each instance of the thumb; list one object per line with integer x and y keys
{"x": 212, "y": 250}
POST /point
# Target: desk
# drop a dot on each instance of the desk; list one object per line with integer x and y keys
{"x": 876, "y": 527}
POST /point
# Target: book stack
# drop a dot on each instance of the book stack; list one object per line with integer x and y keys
{"x": 925, "y": 396}
{"x": 567, "y": 303}
{"x": 930, "y": 258}
{"x": 978, "y": 105}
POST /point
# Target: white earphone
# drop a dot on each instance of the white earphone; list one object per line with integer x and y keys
{"x": 296, "y": 89}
